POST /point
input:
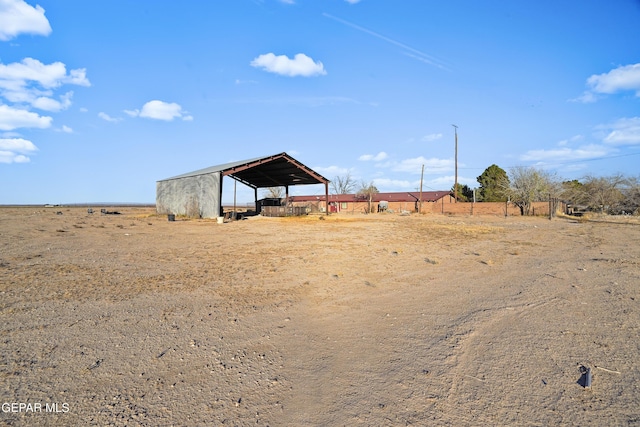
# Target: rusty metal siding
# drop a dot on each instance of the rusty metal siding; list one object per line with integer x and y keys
{"x": 273, "y": 211}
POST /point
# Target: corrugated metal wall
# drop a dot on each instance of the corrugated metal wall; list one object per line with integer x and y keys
{"x": 194, "y": 196}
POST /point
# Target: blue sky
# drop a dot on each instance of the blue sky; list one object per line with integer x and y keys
{"x": 100, "y": 99}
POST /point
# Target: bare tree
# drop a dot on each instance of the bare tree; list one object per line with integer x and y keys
{"x": 528, "y": 185}
{"x": 604, "y": 194}
{"x": 274, "y": 192}
{"x": 344, "y": 184}
{"x": 574, "y": 193}
{"x": 631, "y": 203}
{"x": 613, "y": 194}
{"x": 366, "y": 192}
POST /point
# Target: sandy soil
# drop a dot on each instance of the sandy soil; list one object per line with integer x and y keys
{"x": 378, "y": 320}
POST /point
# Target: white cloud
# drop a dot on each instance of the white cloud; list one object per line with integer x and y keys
{"x": 66, "y": 129}
{"x": 586, "y": 98}
{"x": 50, "y": 104}
{"x": 47, "y": 104}
{"x": 431, "y": 137}
{"x": 431, "y": 166}
{"x": 160, "y": 110}
{"x": 566, "y": 153}
{"x": 19, "y": 145}
{"x": 387, "y": 184}
{"x": 619, "y": 79}
{"x": 105, "y": 116}
{"x": 77, "y": 77}
{"x": 573, "y": 167}
{"x": 330, "y": 172}
{"x": 623, "y": 78}
{"x": 572, "y": 139}
{"x": 10, "y": 135}
{"x": 16, "y": 150}
{"x": 445, "y": 183}
{"x": 370, "y": 157}
{"x": 625, "y": 131}
{"x": 300, "y": 65}
{"x": 13, "y": 118}
{"x": 10, "y": 157}
{"x": 17, "y": 74}
{"x": 17, "y": 17}
{"x": 32, "y": 82}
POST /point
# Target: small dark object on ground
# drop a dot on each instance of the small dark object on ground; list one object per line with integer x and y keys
{"x": 96, "y": 364}
{"x": 106, "y": 212}
{"x": 58, "y": 213}
{"x": 586, "y": 378}
{"x": 89, "y": 211}
{"x": 171, "y": 217}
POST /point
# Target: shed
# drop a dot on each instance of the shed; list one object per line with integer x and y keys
{"x": 199, "y": 193}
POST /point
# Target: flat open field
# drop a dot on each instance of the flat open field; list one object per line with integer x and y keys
{"x": 379, "y": 320}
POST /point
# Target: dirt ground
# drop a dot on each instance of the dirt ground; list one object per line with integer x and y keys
{"x": 379, "y": 320}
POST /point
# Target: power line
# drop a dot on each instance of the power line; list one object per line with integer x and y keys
{"x": 455, "y": 184}
{"x": 568, "y": 162}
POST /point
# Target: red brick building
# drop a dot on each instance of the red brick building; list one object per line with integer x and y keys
{"x": 357, "y": 203}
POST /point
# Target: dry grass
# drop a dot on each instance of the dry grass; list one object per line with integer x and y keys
{"x": 347, "y": 320}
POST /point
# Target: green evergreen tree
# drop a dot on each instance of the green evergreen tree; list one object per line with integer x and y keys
{"x": 494, "y": 182}
{"x": 465, "y": 194}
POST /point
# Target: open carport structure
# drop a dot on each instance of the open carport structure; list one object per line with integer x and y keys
{"x": 199, "y": 193}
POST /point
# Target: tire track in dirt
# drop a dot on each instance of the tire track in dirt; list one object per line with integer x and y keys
{"x": 359, "y": 366}
{"x": 472, "y": 375}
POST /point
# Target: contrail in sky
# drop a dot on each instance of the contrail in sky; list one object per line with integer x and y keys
{"x": 413, "y": 53}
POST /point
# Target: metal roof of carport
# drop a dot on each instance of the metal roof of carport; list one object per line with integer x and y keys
{"x": 262, "y": 172}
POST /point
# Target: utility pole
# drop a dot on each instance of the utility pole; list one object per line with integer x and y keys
{"x": 455, "y": 185}
{"x": 420, "y": 201}
{"x": 235, "y": 214}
